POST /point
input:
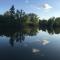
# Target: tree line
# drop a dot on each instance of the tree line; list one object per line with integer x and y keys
{"x": 50, "y": 23}
{"x": 19, "y": 18}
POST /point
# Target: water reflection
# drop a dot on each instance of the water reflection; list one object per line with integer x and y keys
{"x": 45, "y": 42}
{"x": 31, "y": 43}
{"x": 35, "y": 51}
{"x": 18, "y": 35}
{"x": 51, "y": 30}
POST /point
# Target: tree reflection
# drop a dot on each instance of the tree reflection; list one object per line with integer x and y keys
{"x": 51, "y": 30}
{"x": 11, "y": 41}
{"x": 17, "y": 37}
{"x": 18, "y": 34}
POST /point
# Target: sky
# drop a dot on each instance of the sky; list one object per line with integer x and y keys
{"x": 43, "y": 8}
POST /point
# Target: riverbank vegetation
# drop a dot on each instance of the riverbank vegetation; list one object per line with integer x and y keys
{"x": 19, "y": 19}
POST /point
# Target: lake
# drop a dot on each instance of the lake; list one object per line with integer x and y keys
{"x": 30, "y": 44}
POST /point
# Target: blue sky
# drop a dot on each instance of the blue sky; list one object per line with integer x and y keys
{"x": 43, "y": 8}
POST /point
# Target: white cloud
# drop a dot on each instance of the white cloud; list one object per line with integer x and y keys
{"x": 46, "y": 6}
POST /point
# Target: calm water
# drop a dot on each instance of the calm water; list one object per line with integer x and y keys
{"x": 30, "y": 44}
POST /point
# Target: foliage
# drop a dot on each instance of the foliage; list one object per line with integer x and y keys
{"x": 14, "y": 17}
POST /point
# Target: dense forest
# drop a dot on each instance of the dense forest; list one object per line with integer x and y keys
{"x": 19, "y": 19}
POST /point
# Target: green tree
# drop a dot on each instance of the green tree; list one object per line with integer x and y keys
{"x": 7, "y": 13}
{"x": 12, "y": 10}
{"x": 19, "y": 15}
{"x": 33, "y": 18}
{"x": 12, "y": 14}
{"x": 57, "y": 22}
{"x": 51, "y": 22}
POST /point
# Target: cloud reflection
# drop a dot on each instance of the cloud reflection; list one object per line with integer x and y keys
{"x": 45, "y": 42}
{"x": 35, "y": 51}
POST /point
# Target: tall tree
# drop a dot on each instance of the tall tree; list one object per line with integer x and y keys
{"x": 12, "y": 14}
{"x": 12, "y": 10}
